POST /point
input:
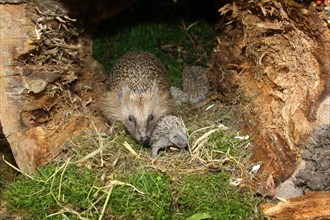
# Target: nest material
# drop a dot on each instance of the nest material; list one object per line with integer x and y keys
{"x": 118, "y": 154}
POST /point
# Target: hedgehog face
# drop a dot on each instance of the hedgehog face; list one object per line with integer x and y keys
{"x": 138, "y": 110}
{"x": 179, "y": 138}
{"x": 139, "y": 127}
{"x": 142, "y": 109}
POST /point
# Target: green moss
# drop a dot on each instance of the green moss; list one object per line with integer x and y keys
{"x": 209, "y": 194}
{"x": 162, "y": 198}
{"x": 225, "y": 142}
{"x": 212, "y": 195}
{"x": 154, "y": 204}
{"x": 40, "y": 198}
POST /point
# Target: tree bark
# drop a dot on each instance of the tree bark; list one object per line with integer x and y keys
{"x": 314, "y": 205}
{"x": 47, "y": 80}
{"x": 276, "y": 59}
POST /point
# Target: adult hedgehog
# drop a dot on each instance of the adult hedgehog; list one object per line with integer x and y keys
{"x": 139, "y": 94}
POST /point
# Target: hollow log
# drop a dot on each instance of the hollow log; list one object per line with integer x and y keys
{"x": 49, "y": 82}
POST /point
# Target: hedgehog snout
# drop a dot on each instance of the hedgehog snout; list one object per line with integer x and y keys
{"x": 143, "y": 135}
{"x": 144, "y": 140}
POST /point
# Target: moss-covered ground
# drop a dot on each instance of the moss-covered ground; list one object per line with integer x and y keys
{"x": 110, "y": 176}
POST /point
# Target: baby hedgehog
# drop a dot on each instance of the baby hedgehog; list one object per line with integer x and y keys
{"x": 195, "y": 83}
{"x": 169, "y": 131}
{"x": 139, "y": 94}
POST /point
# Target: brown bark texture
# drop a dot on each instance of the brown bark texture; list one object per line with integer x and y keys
{"x": 273, "y": 61}
{"x": 47, "y": 80}
{"x": 314, "y": 205}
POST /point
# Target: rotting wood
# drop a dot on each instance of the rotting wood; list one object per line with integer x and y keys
{"x": 315, "y": 205}
{"x": 47, "y": 79}
{"x": 278, "y": 61}
{"x": 13, "y": 40}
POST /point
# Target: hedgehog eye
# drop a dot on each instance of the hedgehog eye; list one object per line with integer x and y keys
{"x": 150, "y": 117}
{"x": 130, "y": 118}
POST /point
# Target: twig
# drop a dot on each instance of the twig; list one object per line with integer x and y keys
{"x": 67, "y": 210}
{"x": 101, "y": 143}
{"x": 18, "y": 170}
{"x": 198, "y": 143}
{"x": 27, "y": 175}
{"x": 106, "y": 202}
{"x": 130, "y": 149}
{"x": 61, "y": 178}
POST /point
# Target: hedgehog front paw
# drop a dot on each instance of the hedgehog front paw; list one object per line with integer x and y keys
{"x": 154, "y": 153}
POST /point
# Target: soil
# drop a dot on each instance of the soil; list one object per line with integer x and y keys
{"x": 313, "y": 173}
{"x": 316, "y": 174}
